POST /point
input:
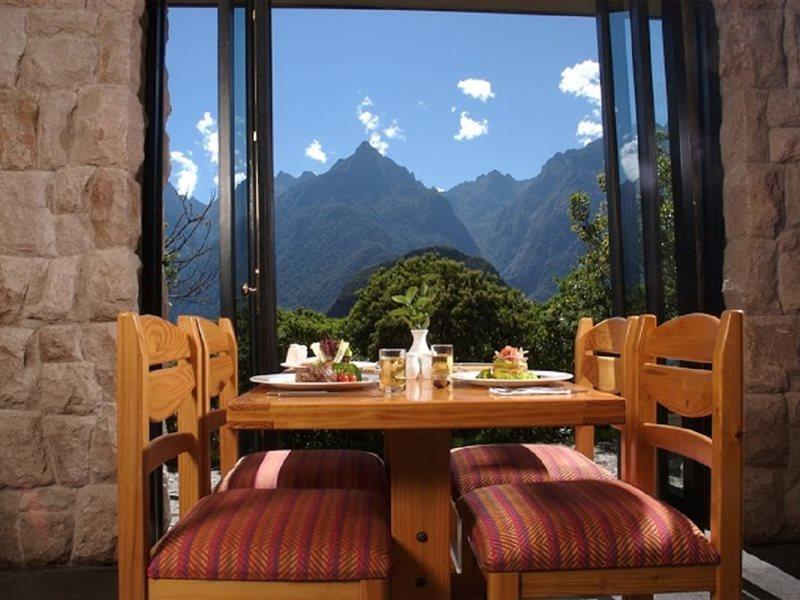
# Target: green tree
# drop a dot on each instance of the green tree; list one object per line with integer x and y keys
{"x": 474, "y": 310}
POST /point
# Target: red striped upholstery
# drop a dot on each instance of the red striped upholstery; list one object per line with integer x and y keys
{"x": 474, "y": 467}
{"x": 279, "y": 535}
{"x": 587, "y": 524}
{"x": 308, "y": 469}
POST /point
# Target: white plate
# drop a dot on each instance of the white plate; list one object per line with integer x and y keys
{"x": 471, "y": 377}
{"x": 286, "y": 381}
{"x": 361, "y": 364}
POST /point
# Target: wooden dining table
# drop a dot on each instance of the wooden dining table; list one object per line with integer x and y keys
{"x": 417, "y": 425}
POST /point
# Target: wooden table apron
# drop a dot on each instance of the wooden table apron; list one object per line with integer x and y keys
{"x": 417, "y": 428}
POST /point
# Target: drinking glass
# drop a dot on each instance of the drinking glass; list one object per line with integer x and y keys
{"x": 442, "y": 364}
{"x": 392, "y": 363}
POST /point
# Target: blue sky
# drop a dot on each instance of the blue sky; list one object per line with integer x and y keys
{"x": 448, "y": 95}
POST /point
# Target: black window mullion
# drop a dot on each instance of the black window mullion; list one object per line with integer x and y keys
{"x": 227, "y": 271}
{"x": 611, "y": 159}
{"x": 648, "y": 172}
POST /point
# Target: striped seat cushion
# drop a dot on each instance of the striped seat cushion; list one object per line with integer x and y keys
{"x": 307, "y": 469}
{"x": 474, "y": 467}
{"x": 586, "y": 524}
{"x": 278, "y": 535}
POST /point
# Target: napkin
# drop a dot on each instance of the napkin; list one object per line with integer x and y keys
{"x": 296, "y": 354}
{"x": 530, "y": 391}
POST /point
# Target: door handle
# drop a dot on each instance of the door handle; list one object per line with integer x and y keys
{"x": 247, "y": 289}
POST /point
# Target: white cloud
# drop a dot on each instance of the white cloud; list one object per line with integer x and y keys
{"x": 452, "y": 109}
{"x": 470, "y": 128}
{"x": 588, "y": 131}
{"x": 629, "y": 160}
{"x": 184, "y": 174}
{"x": 422, "y": 105}
{"x": 394, "y": 131}
{"x": 315, "y": 152}
{"x": 480, "y": 89}
{"x": 582, "y": 80}
{"x": 239, "y": 178}
{"x": 378, "y": 143}
{"x": 441, "y": 190}
{"x": 208, "y": 130}
{"x": 368, "y": 119}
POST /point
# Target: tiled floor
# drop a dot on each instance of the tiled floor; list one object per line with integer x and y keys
{"x": 771, "y": 573}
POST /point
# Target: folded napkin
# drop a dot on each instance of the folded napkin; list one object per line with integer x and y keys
{"x": 531, "y": 391}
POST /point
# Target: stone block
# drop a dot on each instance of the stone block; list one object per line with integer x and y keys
{"x": 68, "y": 440}
{"x": 71, "y": 189}
{"x": 12, "y": 32}
{"x": 763, "y": 504}
{"x": 743, "y": 137}
{"x": 60, "y": 343}
{"x": 765, "y": 37}
{"x": 791, "y": 526}
{"x": 750, "y": 274}
{"x": 46, "y": 536}
{"x": 108, "y": 128}
{"x": 783, "y": 108}
{"x": 103, "y": 456}
{"x": 54, "y": 111}
{"x": 96, "y": 525}
{"x": 793, "y": 409}
{"x": 766, "y": 436}
{"x": 50, "y": 499}
{"x": 791, "y": 199}
{"x": 784, "y": 145}
{"x": 74, "y": 234}
{"x": 60, "y": 62}
{"x": 18, "y": 114}
{"x": 14, "y": 383}
{"x": 98, "y": 343}
{"x": 10, "y": 551}
{"x": 789, "y": 269}
{"x": 69, "y": 388}
{"x": 134, "y": 7}
{"x": 110, "y": 283}
{"x": 52, "y": 293}
{"x": 47, "y": 22}
{"x": 753, "y": 196}
{"x": 115, "y": 197}
{"x": 771, "y": 353}
{"x": 791, "y": 43}
{"x": 24, "y": 199}
{"x": 15, "y": 275}
{"x": 121, "y": 43}
{"x": 23, "y": 459}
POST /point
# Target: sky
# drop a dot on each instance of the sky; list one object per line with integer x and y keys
{"x": 450, "y": 96}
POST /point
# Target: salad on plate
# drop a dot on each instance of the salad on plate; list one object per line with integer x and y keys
{"x": 510, "y": 363}
{"x": 332, "y": 364}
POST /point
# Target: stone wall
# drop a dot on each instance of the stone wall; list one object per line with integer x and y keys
{"x": 71, "y": 148}
{"x": 760, "y": 88}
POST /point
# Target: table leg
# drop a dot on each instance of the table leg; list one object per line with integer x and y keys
{"x": 419, "y": 468}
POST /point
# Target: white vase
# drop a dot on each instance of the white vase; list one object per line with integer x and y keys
{"x": 420, "y": 348}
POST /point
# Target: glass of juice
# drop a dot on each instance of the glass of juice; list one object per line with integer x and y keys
{"x": 441, "y": 364}
{"x": 392, "y": 362}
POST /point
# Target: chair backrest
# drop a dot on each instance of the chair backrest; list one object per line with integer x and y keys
{"x": 220, "y": 365}
{"x": 602, "y": 354}
{"x": 707, "y": 383}
{"x": 158, "y": 375}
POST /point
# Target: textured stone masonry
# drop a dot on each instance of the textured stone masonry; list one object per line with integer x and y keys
{"x": 760, "y": 143}
{"x": 71, "y": 149}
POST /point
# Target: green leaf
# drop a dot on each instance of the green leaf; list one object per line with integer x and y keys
{"x": 410, "y": 293}
{"x": 400, "y": 311}
{"x": 400, "y": 299}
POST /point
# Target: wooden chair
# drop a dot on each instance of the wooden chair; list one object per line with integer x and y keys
{"x": 275, "y": 469}
{"x": 593, "y": 537}
{"x": 601, "y": 362}
{"x": 243, "y": 543}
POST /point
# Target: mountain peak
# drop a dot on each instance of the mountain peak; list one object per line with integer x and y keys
{"x": 365, "y": 149}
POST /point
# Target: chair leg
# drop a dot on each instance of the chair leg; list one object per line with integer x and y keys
{"x": 374, "y": 589}
{"x": 502, "y": 586}
{"x": 729, "y": 583}
{"x": 471, "y": 585}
